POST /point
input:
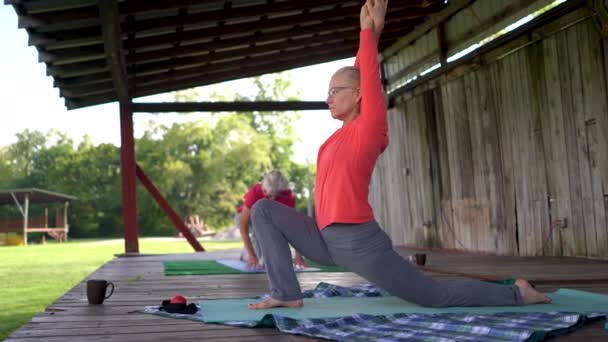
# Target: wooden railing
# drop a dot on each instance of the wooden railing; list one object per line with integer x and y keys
{"x": 35, "y": 225}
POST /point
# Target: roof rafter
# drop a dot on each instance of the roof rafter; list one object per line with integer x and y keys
{"x": 100, "y": 51}
{"x": 266, "y": 9}
{"x": 110, "y": 24}
{"x": 230, "y": 70}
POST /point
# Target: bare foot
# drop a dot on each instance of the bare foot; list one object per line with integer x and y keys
{"x": 275, "y": 303}
{"x": 529, "y": 294}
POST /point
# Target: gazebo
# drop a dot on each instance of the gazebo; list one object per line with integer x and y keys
{"x": 23, "y": 198}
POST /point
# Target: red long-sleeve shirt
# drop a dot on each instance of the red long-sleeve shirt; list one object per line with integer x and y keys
{"x": 346, "y": 160}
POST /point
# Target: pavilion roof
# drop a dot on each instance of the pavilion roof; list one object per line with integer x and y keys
{"x": 96, "y": 49}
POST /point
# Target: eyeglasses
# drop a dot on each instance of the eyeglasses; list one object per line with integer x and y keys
{"x": 334, "y": 90}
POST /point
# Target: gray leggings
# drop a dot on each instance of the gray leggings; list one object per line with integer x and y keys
{"x": 365, "y": 250}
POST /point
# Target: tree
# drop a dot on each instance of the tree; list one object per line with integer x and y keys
{"x": 20, "y": 153}
{"x": 8, "y": 174}
{"x": 276, "y": 125}
{"x": 198, "y": 166}
{"x": 202, "y": 167}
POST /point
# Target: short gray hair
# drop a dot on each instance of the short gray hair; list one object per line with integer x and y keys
{"x": 274, "y": 182}
{"x": 351, "y": 73}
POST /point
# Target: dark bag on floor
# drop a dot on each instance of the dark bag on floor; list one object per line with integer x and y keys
{"x": 179, "y": 308}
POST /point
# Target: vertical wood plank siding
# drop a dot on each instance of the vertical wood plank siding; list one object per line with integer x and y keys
{"x": 509, "y": 158}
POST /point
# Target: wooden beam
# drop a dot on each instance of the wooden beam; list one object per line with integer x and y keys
{"x": 166, "y": 207}
{"x": 223, "y": 14}
{"x": 68, "y": 25}
{"x": 249, "y": 28}
{"x": 77, "y": 69}
{"x": 512, "y": 8}
{"x": 412, "y": 66}
{"x": 26, "y": 214}
{"x": 344, "y": 38}
{"x": 129, "y": 7}
{"x": 338, "y": 29}
{"x": 262, "y": 106}
{"x": 402, "y": 10}
{"x": 45, "y": 230}
{"x": 128, "y": 182}
{"x": 164, "y": 83}
{"x": 241, "y": 62}
{"x": 202, "y": 35}
{"x": 41, "y": 6}
{"x": 185, "y": 63}
{"x": 307, "y": 23}
{"x": 44, "y": 21}
{"x": 79, "y": 102}
{"x": 50, "y": 43}
{"x": 543, "y": 19}
{"x": 442, "y": 45}
{"x": 95, "y": 89}
{"x": 112, "y": 38}
{"x": 29, "y": 21}
{"x": 101, "y": 77}
{"x": 231, "y": 71}
{"x": 434, "y": 20}
{"x": 134, "y": 7}
{"x": 66, "y": 226}
{"x": 70, "y": 56}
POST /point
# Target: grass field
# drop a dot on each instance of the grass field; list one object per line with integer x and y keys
{"x": 33, "y": 277}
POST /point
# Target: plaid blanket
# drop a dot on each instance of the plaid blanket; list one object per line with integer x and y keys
{"x": 409, "y": 327}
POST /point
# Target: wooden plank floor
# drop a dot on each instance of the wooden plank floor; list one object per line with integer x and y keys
{"x": 140, "y": 281}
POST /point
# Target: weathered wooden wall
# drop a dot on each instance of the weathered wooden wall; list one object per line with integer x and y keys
{"x": 510, "y": 158}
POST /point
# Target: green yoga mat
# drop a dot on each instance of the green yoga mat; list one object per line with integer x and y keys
{"x": 565, "y": 300}
{"x": 209, "y": 267}
{"x": 202, "y": 267}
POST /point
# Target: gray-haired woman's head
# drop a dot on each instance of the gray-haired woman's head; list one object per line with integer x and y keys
{"x": 274, "y": 182}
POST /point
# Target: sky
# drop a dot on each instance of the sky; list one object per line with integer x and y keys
{"x": 29, "y": 101}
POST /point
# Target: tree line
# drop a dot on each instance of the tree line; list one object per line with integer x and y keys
{"x": 202, "y": 168}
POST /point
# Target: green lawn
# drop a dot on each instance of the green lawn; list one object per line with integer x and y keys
{"x": 33, "y": 277}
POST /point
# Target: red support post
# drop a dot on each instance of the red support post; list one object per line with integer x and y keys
{"x": 127, "y": 172}
{"x": 164, "y": 205}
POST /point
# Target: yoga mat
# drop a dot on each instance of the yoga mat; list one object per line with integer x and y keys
{"x": 210, "y": 267}
{"x": 243, "y": 267}
{"x": 564, "y": 300}
{"x": 198, "y": 267}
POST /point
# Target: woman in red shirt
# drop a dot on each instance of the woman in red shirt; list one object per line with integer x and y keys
{"x": 274, "y": 186}
{"x": 345, "y": 232}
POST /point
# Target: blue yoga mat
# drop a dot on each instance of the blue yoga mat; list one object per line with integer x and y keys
{"x": 564, "y": 300}
{"x": 242, "y": 266}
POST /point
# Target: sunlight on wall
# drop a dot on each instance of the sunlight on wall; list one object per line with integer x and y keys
{"x": 490, "y": 38}
{"x": 507, "y": 29}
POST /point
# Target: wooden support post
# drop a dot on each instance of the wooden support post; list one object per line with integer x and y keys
{"x": 164, "y": 205}
{"x": 112, "y": 43}
{"x": 46, "y": 217}
{"x": 26, "y": 209}
{"x": 127, "y": 172}
{"x": 65, "y": 221}
{"x": 443, "y": 47}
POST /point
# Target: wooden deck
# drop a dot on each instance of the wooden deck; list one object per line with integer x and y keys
{"x": 140, "y": 281}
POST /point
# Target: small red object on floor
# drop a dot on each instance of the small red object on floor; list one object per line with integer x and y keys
{"x": 177, "y": 299}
